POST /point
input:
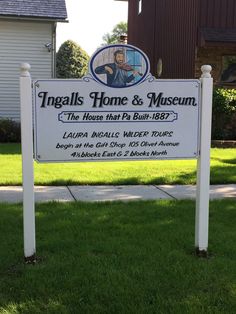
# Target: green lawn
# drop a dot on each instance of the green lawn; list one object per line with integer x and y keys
{"x": 223, "y": 170}
{"x": 133, "y": 258}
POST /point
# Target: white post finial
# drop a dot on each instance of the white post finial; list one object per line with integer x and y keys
{"x": 24, "y": 69}
{"x": 206, "y": 71}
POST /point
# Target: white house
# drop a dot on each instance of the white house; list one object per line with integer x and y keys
{"x": 27, "y": 34}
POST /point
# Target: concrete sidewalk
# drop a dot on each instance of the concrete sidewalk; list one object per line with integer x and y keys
{"x": 13, "y": 194}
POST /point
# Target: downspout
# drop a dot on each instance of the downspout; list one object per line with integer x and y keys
{"x": 54, "y": 50}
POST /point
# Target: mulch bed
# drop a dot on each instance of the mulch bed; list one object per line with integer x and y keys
{"x": 223, "y": 144}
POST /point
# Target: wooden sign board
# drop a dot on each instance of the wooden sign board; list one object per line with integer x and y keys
{"x": 119, "y": 111}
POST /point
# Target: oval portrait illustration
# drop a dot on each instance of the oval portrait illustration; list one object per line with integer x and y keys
{"x": 119, "y": 66}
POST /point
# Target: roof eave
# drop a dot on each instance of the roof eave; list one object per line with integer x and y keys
{"x": 36, "y": 18}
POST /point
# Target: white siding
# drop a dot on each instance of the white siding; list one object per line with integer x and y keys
{"x": 21, "y": 42}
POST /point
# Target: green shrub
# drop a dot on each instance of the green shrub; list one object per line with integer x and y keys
{"x": 10, "y": 131}
{"x": 71, "y": 61}
{"x": 224, "y": 114}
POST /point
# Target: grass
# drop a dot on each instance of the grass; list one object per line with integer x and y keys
{"x": 223, "y": 170}
{"x": 134, "y": 257}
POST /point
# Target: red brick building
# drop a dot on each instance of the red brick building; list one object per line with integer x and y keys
{"x": 186, "y": 34}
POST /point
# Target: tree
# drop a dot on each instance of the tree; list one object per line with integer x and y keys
{"x": 114, "y": 37}
{"x": 71, "y": 61}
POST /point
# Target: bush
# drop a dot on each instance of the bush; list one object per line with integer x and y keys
{"x": 10, "y": 131}
{"x": 224, "y": 114}
{"x": 71, "y": 61}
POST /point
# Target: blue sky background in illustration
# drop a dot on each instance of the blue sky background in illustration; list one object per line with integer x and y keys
{"x": 89, "y": 20}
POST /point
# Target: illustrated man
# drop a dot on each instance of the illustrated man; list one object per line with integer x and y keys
{"x": 117, "y": 72}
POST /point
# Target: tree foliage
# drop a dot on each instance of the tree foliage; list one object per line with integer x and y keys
{"x": 71, "y": 61}
{"x": 224, "y": 114}
{"x": 114, "y": 37}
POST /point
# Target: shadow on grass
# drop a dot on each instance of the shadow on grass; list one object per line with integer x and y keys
{"x": 218, "y": 175}
{"x": 184, "y": 178}
{"x": 223, "y": 175}
{"x": 10, "y": 148}
{"x": 118, "y": 258}
{"x": 125, "y": 181}
{"x": 231, "y": 161}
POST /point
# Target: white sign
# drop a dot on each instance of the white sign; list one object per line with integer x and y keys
{"x": 116, "y": 111}
{"x": 128, "y": 115}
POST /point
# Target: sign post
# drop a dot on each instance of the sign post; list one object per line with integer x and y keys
{"x": 119, "y": 111}
{"x": 203, "y": 165}
{"x": 27, "y": 163}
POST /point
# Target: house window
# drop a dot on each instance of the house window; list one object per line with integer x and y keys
{"x": 140, "y": 6}
{"x": 228, "y": 74}
{"x": 134, "y": 59}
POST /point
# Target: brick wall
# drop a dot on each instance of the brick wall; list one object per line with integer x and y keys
{"x": 212, "y": 56}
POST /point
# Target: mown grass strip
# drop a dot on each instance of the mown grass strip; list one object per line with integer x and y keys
{"x": 135, "y": 257}
{"x": 223, "y": 170}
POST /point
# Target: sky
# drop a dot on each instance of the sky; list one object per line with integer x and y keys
{"x": 89, "y": 20}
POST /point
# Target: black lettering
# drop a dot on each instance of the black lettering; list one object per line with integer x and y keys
{"x": 154, "y": 100}
{"x": 57, "y": 102}
{"x": 44, "y": 96}
{"x": 100, "y": 100}
{"x": 96, "y": 98}
{"x": 190, "y": 101}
